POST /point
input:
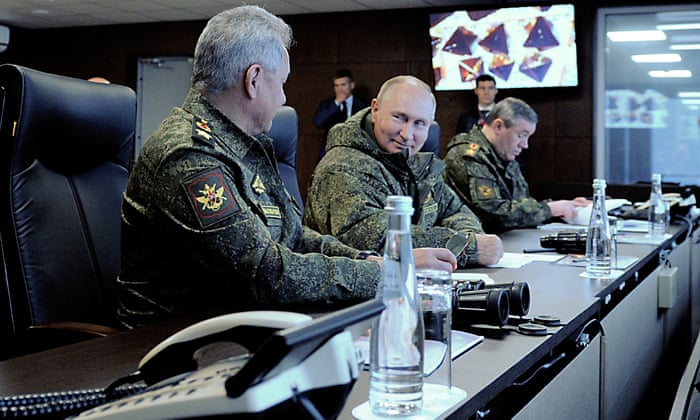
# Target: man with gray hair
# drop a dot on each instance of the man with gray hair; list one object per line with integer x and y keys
{"x": 207, "y": 223}
{"x": 481, "y": 168}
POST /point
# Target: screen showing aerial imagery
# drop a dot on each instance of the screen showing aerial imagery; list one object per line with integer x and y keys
{"x": 521, "y": 47}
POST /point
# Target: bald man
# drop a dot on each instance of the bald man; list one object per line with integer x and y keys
{"x": 376, "y": 153}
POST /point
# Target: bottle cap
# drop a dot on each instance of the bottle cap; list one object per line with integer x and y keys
{"x": 656, "y": 178}
{"x": 399, "y": 204}
{"x": 599, "y": 182}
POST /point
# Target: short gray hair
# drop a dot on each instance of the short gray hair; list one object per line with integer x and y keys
{"x": 511, "y": 110}
{"x": 234, "y": 40}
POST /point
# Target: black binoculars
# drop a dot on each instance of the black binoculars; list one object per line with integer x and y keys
{"x": 475, "y": 302}
{"x": 565, "y": 242}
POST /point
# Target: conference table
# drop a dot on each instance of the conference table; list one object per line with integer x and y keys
{"x": 613, "y": 347}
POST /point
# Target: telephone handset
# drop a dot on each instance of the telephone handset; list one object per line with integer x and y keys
{"x": 297, "y": 365}
{"x": 175, "y": 354}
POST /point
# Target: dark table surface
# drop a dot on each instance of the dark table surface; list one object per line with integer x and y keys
{"x": 557, "y": 290}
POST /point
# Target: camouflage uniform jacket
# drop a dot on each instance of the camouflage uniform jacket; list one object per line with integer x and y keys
{"x": 348, "y": 190}
{"x": 207, "y": 223}
{"x": 494, "y": 189}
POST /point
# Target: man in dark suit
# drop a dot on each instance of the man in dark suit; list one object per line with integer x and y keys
{"x": 485, "y": 91}
{"x": 332, "y": 111}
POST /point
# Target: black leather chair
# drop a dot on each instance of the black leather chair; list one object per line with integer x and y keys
{"x": 432, "y": 143}
{"x": 284, "y": 133}
{"x": 65, "y": 150}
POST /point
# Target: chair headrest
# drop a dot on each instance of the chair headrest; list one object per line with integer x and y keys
{"x": 284, "y": 133}
{"x": 62, "y": 123}
{"x": 432, "y": 143}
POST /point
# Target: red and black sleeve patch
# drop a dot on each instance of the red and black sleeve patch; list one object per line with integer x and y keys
{"x": 210, "y": 196}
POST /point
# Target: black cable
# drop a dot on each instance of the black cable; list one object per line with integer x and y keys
{"x": 687, "y": 220}
{"x": 539, "y": 368}
{"x": 306, "y": 404}
{"x": 581, "y": 339}
{"x": 119, "y": 383}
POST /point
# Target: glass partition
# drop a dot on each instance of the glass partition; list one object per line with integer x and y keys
{"x": 647, "y": 94}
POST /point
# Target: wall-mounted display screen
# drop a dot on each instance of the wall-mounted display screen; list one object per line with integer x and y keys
{"x": 521, "y": 47}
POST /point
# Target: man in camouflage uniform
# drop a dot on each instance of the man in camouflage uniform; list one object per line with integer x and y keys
{"x": 374, "y": 154}
{"x": 207, "y": 222}
{"x": 482, "y": 169}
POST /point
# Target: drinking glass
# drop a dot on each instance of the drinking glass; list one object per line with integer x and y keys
{"x": 435, "y": 289}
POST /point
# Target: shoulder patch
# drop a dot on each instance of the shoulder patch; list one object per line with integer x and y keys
{"x": 210, "y": 196}
{"x": 485, "y": 188}
{"x": 472, "y": 148}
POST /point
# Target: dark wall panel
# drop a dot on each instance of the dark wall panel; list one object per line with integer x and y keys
{"x": 374, "y": 45}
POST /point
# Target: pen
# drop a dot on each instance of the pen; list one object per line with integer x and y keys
{"x": 532, "y": 251}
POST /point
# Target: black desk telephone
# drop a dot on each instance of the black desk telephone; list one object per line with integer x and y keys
{"x": 297, "y": 367}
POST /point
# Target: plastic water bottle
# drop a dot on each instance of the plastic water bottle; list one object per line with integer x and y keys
{"x": 396, "y": 340}
{"x": 658, "y": 211}
{"x": 598, "y": 239}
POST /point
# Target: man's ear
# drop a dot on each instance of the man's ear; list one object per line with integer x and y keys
{"x": 253, "y": 75}
{"x": 497, "y": 125}
{"x": 375, "y": 108}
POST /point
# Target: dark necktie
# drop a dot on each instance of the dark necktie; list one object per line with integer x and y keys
{"x": 342, "y": 110}
{"x": 483, "y": 117}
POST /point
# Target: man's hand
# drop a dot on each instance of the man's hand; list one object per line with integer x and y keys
{"x": 429, "y": 258}
{"x": 489, "y": 249}
{"x": 567, "y": 209}
{"x": 435, "y": 258}
{"x": 340, "y": 97}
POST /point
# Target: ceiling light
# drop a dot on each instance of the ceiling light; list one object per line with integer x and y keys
{"x": 678, "y": 26}
{"x": 690, "y": 101}
{"x": 656, "y": 58}
{"x": 639, "y": 36}
{"x": 689, "y": 94}
{"x": 670, "y": 73}
{"x": 681, "y": 47}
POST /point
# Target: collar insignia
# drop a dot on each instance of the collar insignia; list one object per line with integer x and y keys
{"x": 258, "y": 185}
{"x": 472, "y": 149}
{"x": 201, "y": 129}
{"x": 202, "y": 124}
{"x": 204, "y": 134}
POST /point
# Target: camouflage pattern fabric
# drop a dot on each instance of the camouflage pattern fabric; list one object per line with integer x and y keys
{"x": 207, "y": 223}
{"x": 348, "y": 190}
{"x": 494, "y": 189}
